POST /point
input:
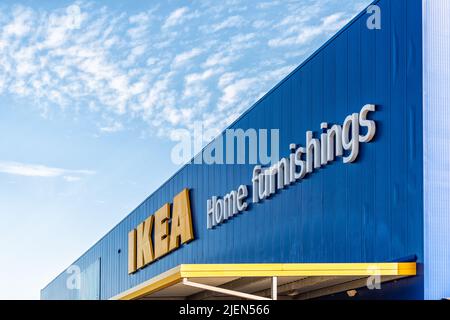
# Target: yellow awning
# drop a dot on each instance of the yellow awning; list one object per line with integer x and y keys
{"x": 301, "y": 280}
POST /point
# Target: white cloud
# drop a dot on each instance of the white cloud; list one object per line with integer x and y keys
{"x": 176, "y": 17}
{"x": 267, "y": 4}
{"x": 261, "y": 24}
{"x": 36, "y": 170}
{"x": 232, "y": 92}
{"x": 202, "y": 76}
{"x": 220, "y": 58}
{"x": 226, "y": 79}
{"x": 230, "y": 22}
{"x": 155, "y": 66}
{"x": 157, "y": 93}
{"x": 21, "y": 23}
{"x": 113, "y": 127}
{"x": 140, "y": 18}
{"x": 184, "y": 57}
{"x": 301, "y": 29}
{"x": 242, "y": 92}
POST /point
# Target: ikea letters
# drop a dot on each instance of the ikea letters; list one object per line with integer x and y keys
{"x": 151, "y": 239}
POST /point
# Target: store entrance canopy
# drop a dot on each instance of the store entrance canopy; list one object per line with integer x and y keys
{"x": 266, "y": 281}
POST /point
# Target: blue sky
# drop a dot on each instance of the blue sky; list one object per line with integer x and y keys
{"x": 91, "y": 93}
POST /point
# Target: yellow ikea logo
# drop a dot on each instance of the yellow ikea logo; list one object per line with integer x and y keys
{"x": 141, "y": 251}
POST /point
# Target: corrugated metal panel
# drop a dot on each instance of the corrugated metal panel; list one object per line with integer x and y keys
{"x": 367, "y": 211}
{"x": 437, "y": 148}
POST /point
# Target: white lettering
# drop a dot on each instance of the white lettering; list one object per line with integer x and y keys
{"x": 317, "y": 153}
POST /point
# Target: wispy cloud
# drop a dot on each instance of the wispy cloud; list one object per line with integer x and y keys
{"x": 115, "y": 126}
{"x": 184, "y": 57}
{"x": 176, "y": 17}
{"x": 327, "y": 25}
{"x": 230, "y": 22}
{"x": 37, "y": 170}
{"x": 166, "y": 67}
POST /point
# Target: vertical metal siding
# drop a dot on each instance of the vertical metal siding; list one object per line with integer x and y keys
{"x": 437, "y": 148}
{"x": 367, "y": 211}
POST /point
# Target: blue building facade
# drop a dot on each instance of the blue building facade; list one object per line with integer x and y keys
{"x": 375, "y": 209}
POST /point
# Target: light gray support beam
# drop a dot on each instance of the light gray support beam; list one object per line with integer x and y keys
{"x": 233, "y": 293}
{"x": 240, "y": 284}
{"x": 274, "y": 288}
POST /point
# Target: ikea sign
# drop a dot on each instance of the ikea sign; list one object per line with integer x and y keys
{"x": 142, "y": 250}
{"x": 335, "y": 141}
